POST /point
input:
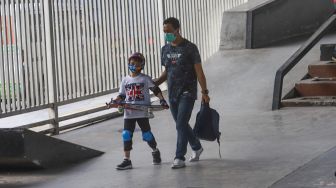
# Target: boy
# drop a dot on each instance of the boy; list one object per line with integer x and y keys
{"x": 134, "y": 89}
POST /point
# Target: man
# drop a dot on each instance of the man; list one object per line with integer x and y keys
{"x": 183, "y": 68}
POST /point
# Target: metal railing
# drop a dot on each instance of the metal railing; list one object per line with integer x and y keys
{"x": 56, "y": 52}
{"x": 295, "y": 58}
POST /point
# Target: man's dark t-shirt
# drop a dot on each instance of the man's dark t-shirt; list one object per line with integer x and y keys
{"x": 179, "y": 62}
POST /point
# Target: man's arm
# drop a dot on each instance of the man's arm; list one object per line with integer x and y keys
{"x": 161, "y": 79}
{"x": 202, "y": 81}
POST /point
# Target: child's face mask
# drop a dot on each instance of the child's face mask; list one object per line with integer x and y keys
{"x": 132, "y": 68}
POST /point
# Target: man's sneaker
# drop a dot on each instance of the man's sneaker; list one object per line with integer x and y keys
{"x": 126, "y": 164}
{"x": 178, "y": 163}
{"x": 156, "y": 157}
{"x": 195, "y": 155}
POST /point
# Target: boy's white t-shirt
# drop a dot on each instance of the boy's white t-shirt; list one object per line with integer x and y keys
{"x": 136, "y": 90}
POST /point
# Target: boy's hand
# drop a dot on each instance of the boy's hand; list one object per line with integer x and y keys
{"x": 114, "y": 101}
{"x": 164, "y": 104}
{"x": 109, "y": 105}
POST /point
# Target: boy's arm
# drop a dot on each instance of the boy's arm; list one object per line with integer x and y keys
{"x": 158, "y": 93}
{"x": 121, "y": 96}
{"x": 118, "y": 99}
{"x": 122, "y": 92}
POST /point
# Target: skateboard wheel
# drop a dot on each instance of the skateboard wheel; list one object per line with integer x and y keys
{"x": 120, "y": 110}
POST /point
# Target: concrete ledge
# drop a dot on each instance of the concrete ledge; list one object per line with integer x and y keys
{"x": 326, "y": 52}
{"x": 261, "y": 23}
{"x": 233, "y": 30}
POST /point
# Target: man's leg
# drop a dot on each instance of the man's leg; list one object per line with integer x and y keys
{"x": 184, "y": 131}
{"x": 192, "y": 139}
{"x": 179, "y": 156}
{"x": 194, "y": 142}
{"x": 174, "y": 108}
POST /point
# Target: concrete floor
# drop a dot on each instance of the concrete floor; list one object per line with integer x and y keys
{"x": 259, "y": 147}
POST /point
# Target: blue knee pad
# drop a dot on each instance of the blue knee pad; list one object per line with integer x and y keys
{"x": 147, "y": 136}
{"x": 127, "y": 135}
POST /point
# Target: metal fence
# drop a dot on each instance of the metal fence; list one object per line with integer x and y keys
{"x": 94, "y": 38}
{"x": 54, "y": 52}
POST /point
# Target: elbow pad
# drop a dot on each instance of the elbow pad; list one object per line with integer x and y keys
{"x": 156, "y": 90}
{"x": 123, "y": 97}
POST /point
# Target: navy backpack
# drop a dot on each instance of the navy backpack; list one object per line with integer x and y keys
{"x": 207, "y": 124}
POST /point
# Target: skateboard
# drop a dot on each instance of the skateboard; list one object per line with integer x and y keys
{"x": 123, "y": 105}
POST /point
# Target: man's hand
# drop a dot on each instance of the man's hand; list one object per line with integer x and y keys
{"x": 205, "y": 98}
{"x": 161, "y": 79}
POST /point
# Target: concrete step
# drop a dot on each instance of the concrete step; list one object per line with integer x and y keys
{"x": 324, "y": 69}
{"x": 316, "y": 87}
{"x": 310, "y": 101}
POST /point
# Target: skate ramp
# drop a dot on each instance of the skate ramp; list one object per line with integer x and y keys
{"x": 22, "y": 148}
{"x": 320, "y": 172}
{"x": 260, "y": 23}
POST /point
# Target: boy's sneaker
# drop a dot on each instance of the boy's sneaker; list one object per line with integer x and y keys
{"x": 156, "y": 157}
{"x": 126, "y": 164}
{"x": 195, "y": 155}
{"x": 178, "y": 163}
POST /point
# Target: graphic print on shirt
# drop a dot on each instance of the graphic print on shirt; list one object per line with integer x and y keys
{"x": 135, "y": 91}
{"x": 174, "y": 57}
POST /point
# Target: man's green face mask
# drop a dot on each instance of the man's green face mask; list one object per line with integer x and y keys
{"x": 170, "y": 37}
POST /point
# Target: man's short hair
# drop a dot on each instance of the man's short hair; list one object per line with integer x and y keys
{"x": 173, "y": 21}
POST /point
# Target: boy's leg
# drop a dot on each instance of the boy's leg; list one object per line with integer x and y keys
{"x": 127, "y": 134}
{"x": 147, "y": 134}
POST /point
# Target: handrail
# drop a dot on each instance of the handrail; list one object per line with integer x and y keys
{"x": 295, "y": 58}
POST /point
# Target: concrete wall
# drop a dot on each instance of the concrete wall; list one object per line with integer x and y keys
{"x": 261, "y": 23}
{"x": 233, "y": 33}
